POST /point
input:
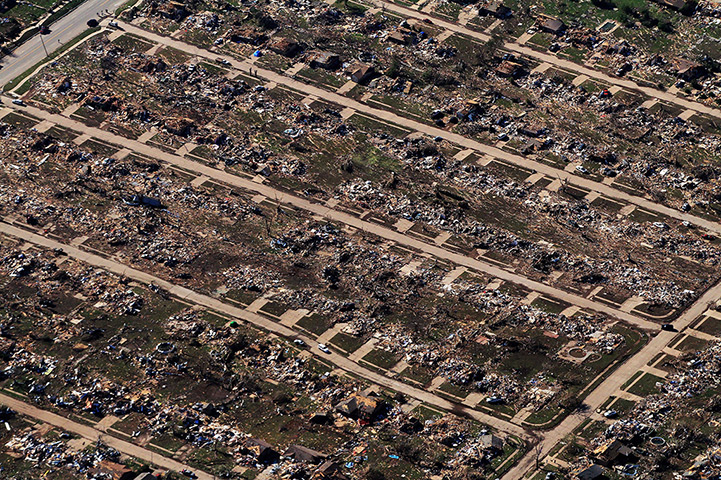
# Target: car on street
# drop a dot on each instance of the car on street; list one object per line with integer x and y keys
{"x": 323, "y": 348}
{"x": 17, "y": 101}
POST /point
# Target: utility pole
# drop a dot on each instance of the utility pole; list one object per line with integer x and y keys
{"x": 44, "y": 48}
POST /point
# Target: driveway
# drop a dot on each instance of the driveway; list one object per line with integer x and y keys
{"x": 93, "y": 434}
{"x": 262, "y": 322}
{"x": 341, "y": 217}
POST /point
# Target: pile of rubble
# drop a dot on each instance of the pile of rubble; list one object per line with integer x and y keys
{"x": 645, "y": 425}
{"x": 57, "y": 454}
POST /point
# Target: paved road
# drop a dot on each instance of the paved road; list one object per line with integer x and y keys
{"x": 265, "y": 323}
{"x": 92, "y": 434}
{"x": 596, "y": 398}
{"x": 614, "y": 382}
{"x": 339, "y": 216}
{"x": 621, "y": 82}
{"x": 385, "y": 115}
{"x": 64, "y": 30}
{"x": 553, "y": 60}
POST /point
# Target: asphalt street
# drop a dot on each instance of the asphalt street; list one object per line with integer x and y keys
{"x": 93, "y": 434}
{"x": 324, "y": 211}
{"x": 264, "y": 323}
{"x": 69, "y": 27}
{"x": 64, "y": 30}
{"x": 432, "y": 131}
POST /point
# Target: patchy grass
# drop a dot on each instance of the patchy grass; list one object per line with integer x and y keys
{"x": 348, "y": 343}
{"x": 381, "y": 358}
{"x": 418, "y": 373}
{"x": 16, "y": 81}
{"x": 274, "y": 308}
{"x": 550, "y": 306}
{"x": 543, "y": 416}
{"x": 315, "y": 323}
{"x": 711, "y": 325}
{"x": 132, "y": 43}
{"x": 645, "y": 385}
{"x": 455, "y": 390}
{"x": 691, "y": 344}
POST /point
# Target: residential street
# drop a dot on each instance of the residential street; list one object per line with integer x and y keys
{"x": 429, "y": 130}
{"x": 93, "y": 435}
{"x": 345, "y": 218}
{"x": 64, "y": 30}
{"x": 614, "y": 382}
{"x": 265, "y": 323}
{"x": 553, "y": 60}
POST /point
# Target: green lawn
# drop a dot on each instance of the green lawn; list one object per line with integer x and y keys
{"x": 315, "y": 323}
{"x": 646, "y": 385}
{"x": 381, "y": 358}
{"x": 348, "y": 343}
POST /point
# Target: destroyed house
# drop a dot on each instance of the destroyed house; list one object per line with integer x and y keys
{"x": 360, "y": 406}
{"x": 533, "y": 132}
{"x": 285, "y": 47}
{"x": 531, "y": 145}
{"x": 102, "y": 102}
{"x": 300, "y": 453}
{"x": 6, "y": 5}
{"x": 495, "y": 8}
{"x": 508, "y": 69}
{"x": 492, "y": 443}
{"x": 321, "y": 418}
{"x": 687, "y": 69}
{"x": 327, "y": 60}
{"x": 148, "y": 65}
{"x": 552, "y": 25}
{"x": 64, "y": 85}
{"x": 360, "y": 72}
{"x": 397, "y": 37}
{"x": 701, "y": 463}
{"x": 471, "y": 108}
{"x": 112, "y": 470}
{"x": 417, "y": 25}
{"x": 328, "y": 471}
{"x": 612, "y": 452}
{"x": 262, "y": 451}
{"x": 182, "y": 127}
{"x": 138, "y": 200}
{"x": 248, "y": 36}
{"x": 171, "y": 10}
{"x": 146, "y": 476}
{"x": 592, "y": 472}
{"x": 674, "y": 4}
{"x": 6, "y": 347}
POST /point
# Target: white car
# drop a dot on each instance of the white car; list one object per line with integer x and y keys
{"x": 322, "y": 347}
